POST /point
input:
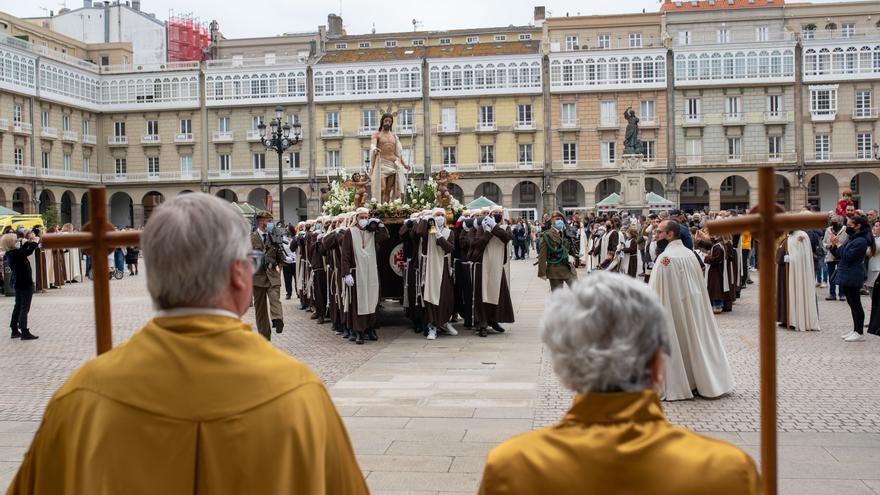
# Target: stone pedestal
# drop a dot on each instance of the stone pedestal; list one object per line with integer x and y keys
{"x": 633, "y": 183}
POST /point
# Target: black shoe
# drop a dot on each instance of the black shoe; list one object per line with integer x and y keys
{"x": 352, "y": 335}
{"x": 372, "y": 335}
{"x": 830, "y": 298}
{"x": 360, "y": 338}
{"x": 278, "y": 324}
{"x": 302, "y": 307}
{"x": 468, "y": 323}
{"x": 749, "y": 281}
{"x": 287, "y": 296}
{"x": 481, "y": 332}
{"x": 495, "y": 326}
{"x": 346, "y": 333}
{"x": 27, "y": 335}
{"x": 338, "y": 331}
{"x": 15, "y": 333}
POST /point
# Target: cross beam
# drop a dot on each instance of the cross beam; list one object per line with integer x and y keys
{"x": 768, "y": 223}
{"x": 97, "y": 240}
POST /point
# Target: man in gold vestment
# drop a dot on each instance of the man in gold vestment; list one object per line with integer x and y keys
{"x": 607, "y": 338}
{"x": 195, "y": 402}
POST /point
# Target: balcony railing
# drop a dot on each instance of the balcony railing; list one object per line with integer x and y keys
{"x": 49, "y": 132}
{"x": 4, "y": 125}
{"x": 741, "y": 158}
{"x": 524, "y": 125}
{"x": 184, "y": 137}
{"x": 406, "y": 130}
{"x": 154, "y": 67}
{"x": 485, "y": 127}
{"x": 366, "y": 131}
{"x": 22, "y": 127}
{"x": 90, "y": 139}
{"x": 823, "y": 115}
{"x": 223, "y": 136}
{"x": 70, "y": 136}
{"x": 447, "y": 128}
{"x": 733, "y": 118}
{"x": 151, "y": 139}
{"x": 164, "y": 176}
{"x": 253, "y": 136}
{"x": 484, "y": 167}
{"x": 117, "y": 140}
{"x": 649, "y": 163}
{"x": 331, "y": 132}
{"x": 834, "y": 156}
{"x": 862, "y": 113}
{"x": 296, "y": 172}
{"x": 693, "y": 119}
{"x": 608, "y": 123}
{"x": 570, "y": 124}
{"x": 17, "y": 170}
{"x": 649, "y": 122}
{"x": 70, "y": 175}
{"x": 776, "y": 117}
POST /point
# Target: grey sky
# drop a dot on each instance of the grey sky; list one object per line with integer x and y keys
{"x": 242, "y": 18}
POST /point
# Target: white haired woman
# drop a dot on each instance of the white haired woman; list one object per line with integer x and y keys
{"x": 607, "y": 337}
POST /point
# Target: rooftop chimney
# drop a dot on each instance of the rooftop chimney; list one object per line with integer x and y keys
{"x": 540, "y": 14}
{"x": 136, "y": 4}
{"x": 334, "y": 23}
{"x": 87, "y": 4}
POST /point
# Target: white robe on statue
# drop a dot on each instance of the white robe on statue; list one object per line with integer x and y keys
{"x": 803, "y": 309}
{"x": 366, "y": 270}
{"x": 697, "y": 360}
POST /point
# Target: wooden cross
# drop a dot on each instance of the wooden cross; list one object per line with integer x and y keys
{"x": 768, "y": 223}
{"x": 97, "y": 240}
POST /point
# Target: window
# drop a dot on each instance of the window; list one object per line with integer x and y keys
{"x": 448, "y": 119}
{"x": 693, "y": 109}
{"x": 153, "y": 166}
{"x": 762, "y": 33}
{"x": 864, "y": 144}
{"x": 524, "y": 114}
{"x": 65, "y": 122}
{"x": 608, "y": 113}
{"x": 609, "y": 152}
{"x": 449, "y": 155}
{"x": 694, "y": 148}
{"x": 525, "y": 37}
{"x": 293, "y": 118}
{"x": 648, "y": 110}
{"x": 650, "y": 148}
{"x": 734, "y": 149}
{"x": 368, "y": 120}
{"x": 16, "y": 113}
{"x": 186, "y": 126}
{"x": 341, "y": 46}
{"x": 487, "y": 115}
{"x": 405, "y": 119}
{"x": 823, "y": 147}
{"x": 863, "y": 104}
{"x": 569, "y": 114}
{"x": 723, "y": 36}
{"x": 635, "y": 40}
{"x": 152, "y": 127}
{"x": 186, "y": 165}
{"x": 120, "y": 166}
{"x": 808, "y": 33}
{"x": 256, "y": 120}
{"x": 390, "y": 43}
{"x": 569, "y": 154}
{"x": 525, "y": 153}
{"x": 87, "y": 165}
{"x": 364, "y": 44}
{"x": 500, "y": 37}
{"x": 472, "y": 39}
{"x": 445, "y": 41}
{"x": 223, "y": 124}
{"x": 225, "y": 163}
{"x": 604, "y": 40}
{"x": 849, "y": 30}
{"x": 823, "y": 101}
{"x": 733, "y": 106}
{"x": 774, "y": 105}
{"x": 18, "y": 158}
{"x": 487, "y": 154}
{"x": 418, "y": 42}
{"x": 87, "y": 127}
{"x": 333, "y": 159}
{"x": 774, "y": 147}
{"x": 259, "y": 161}
{"x": 293, "y": 161}
{"x": 44, "y": 160}
{"x": 44, "y": 118}
{"x": 105, "y": 60}
{"x": 331, "y": 120}
{"x": 571, "y": 42}
{"x": 684, "y": 37}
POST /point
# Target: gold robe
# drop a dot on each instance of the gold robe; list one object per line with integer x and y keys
{"x": 617, "y": 443}
{"x": 191, "y": 404}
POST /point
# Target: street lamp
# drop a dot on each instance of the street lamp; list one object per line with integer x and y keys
{"x": 279, "y": 139}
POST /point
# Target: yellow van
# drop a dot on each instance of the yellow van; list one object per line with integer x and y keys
{"x": 27, "y": 221}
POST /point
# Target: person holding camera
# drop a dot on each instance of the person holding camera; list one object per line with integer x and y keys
{"x": 267, "y": 278}
{"x": 16, "y": 257}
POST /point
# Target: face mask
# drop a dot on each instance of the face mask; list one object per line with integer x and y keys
{"x": 270, "y": 227}
{"x": 362, "y": 223}
{"x": 469, "y": 222}
{"x": 497, "y": 218}
{"x": 559, "y": 224}
{"x": 439, "y": 221}
{"x": 850, "y": 230}
{"x": 836, "y": 225}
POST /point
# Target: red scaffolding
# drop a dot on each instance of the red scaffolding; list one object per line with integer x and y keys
{"x": 186, "y": 37}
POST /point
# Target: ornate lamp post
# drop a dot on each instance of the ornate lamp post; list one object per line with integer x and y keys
{"x": 278, "y": 139}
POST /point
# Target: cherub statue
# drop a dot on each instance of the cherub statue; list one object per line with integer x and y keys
{"x": 360, "y": 183}
{"x": 443, "y": 197}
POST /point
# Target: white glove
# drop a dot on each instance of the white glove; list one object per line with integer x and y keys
{"x": 488, "y": 224}
{"x": 786, "y": 259}
{"x": 349, "y": 280}
{"x": 374, "y": 220}
{"x": 320, "y": 236}
{"x": 288, "y": 260}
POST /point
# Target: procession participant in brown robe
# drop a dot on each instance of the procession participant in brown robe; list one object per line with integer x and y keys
{"x": 606, "y": 248}
{"x": 330, "y": 247}
{"x": 412, "y": 284}
{"x": 303, "y": 273}
{"x": 359, "y": 264}
{"x": 631, "y": 262}
{"x": 490, "y": 243}
{"x": 782, "y": 291}
{"x": 732, "y": 284}
{"x": 716, "y": 275}
{"x": 462, "y": 281}
{"x": 319, "y": 272}
{"x": 439, "y": 294}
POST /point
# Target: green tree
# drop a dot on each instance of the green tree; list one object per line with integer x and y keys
{"x": 51, "y": 217}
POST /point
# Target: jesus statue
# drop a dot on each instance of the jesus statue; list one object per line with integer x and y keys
{"x": 388, "y": 168}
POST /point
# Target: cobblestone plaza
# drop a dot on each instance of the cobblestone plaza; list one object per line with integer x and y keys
{"x": 423, "y": 414}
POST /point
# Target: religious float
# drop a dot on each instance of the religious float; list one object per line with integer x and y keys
{"x": 347, "y": 193}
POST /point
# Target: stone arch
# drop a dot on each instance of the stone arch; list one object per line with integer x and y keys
{"x": 866, "y": 191}
{"x": 21, "y": 200}
{"x": 227, "y": 194}
{"x": 2, "y": 197}
{"x": 783, "y": 192}
{"x": 570, "y": 194}
{"x": 694, "y": 194}
{"x": 735, "y": 191}
{"x": 121, "y": 210}
{"x": 456, "y": 191}
{"x": 605, "y": 187}
{"x": 490, "y": 190}
{"x": 822, "y": 191}
{"x": 185, "y": 191}
{"x": 84, "y": 208}
{"x": 47, "y": 201}
{"x": 258, "y": 198}
{"x": 526, "y": 194}
{"x": 150, "y": 201}
{"x": 68, "y": 200}
{"x": 654, "y": 185}
{"x": 296, "y": 205}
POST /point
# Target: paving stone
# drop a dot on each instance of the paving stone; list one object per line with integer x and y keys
{"x": 823, "y": 487}
{"x": 389, "y": 480}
